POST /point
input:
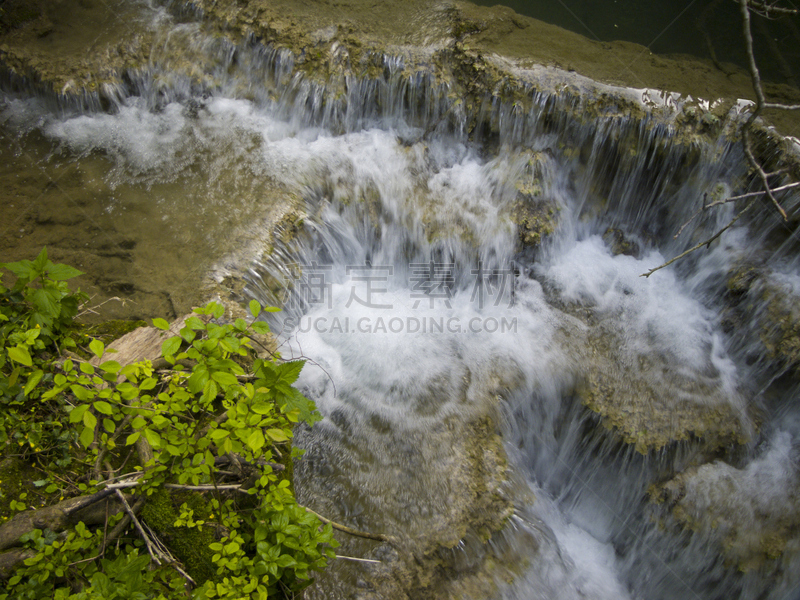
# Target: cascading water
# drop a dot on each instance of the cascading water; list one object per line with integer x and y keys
{"x": 503, "y": 393}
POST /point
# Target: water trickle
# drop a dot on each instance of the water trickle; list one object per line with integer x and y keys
{"x": 503, "y": 393}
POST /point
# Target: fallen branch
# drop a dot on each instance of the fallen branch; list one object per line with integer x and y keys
{"x": 56, "y": 518}
{"x": 148, "y": 544}
{"x": 120, "y": 527}
{"x": 745, "y": 7}
{"x": 701, "y": 244}
{"x": 364, "y": 560}
{"x": 167, "y": 556}
{"x": 380, "y": 537}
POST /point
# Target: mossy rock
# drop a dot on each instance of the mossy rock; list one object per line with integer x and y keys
{"x": 753, "y": 526}
{"x": 535, "y": 221}
{"x": 619, "y": 243}
{"x": 189, "y": 545}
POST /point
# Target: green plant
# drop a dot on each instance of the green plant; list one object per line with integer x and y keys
{"x": 211, "y": 434}
{"x": 36, "y": 321}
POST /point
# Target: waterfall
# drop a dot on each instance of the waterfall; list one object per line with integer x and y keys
{"x": 503, "y": 393}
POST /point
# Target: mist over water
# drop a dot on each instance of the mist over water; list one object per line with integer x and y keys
{"x": 406, "y": 283}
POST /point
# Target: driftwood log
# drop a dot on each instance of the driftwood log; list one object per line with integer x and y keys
{"x": 92, "y": 510}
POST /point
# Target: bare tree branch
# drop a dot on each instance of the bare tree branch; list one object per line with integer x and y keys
{"x": 701, "y": 244}
{"x": 380, "y": 537}
{"x": 764, "y": 9}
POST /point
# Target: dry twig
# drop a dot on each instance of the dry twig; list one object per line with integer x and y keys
{"x": 767, "y": 10}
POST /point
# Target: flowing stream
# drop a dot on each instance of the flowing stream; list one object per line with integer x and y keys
{"x": 528, "y": 417}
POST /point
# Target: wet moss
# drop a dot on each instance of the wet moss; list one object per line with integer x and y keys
{"x": 108, "y": 331}
{"x": 535, "y": 220}
{"x": 189, "y": 545}
{"x": 16, "y": 478}
{"x": 750, "y": 535}
{"x": 619, "y": 243}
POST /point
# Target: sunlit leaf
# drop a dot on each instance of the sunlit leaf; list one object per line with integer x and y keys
{"x": 87, "y": 436}
{"x": 152, "y": 438}
{"x": 97, "y": 347}
{"x": 103, "y": 407}
{"x": 111, "y": 366}
{"x": 81, "y": 393}
{"x": 256, "y": 440}
{"x": 170, "y": 346}
{"x": 224, "y": 378}
{"x": 62, "y": 272}
{"x": 33, "y": 379}
{"x": 89, "y": 420}
{"x": 277, "y": 435}
{"x": 21, "y": 355}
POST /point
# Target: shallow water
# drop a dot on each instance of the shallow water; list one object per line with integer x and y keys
{"x": 705, "y": 28}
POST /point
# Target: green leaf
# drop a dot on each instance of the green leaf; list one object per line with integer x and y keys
{"x": 47, "y": 301}
{"x": 209, "y": 391}
{"x": 97, "y": 347}
{"x": 277, "y": 435}
{"x": 219, "y": 433}
{"x": 109, "y": 425}
{"x": 20, "y": 354}
{"x": 256, "y": 440}
{"x": 307, "y": 408}
{"x": 224, "y": 378}
{"x": 87, "y": 436}
{"x": 62, "y": 272}
{"x": 195, "y": 323}
{"x": 111, "y": 366}
{"x": 152, "y": 438}
{"x": 12, "y": 380}
{"x": 132, "y": 438}
{"x": 22, "y": 270}
{"x": 41, "y": 261}
{"x": 86, "y": 368}
{"x": 286, "y": 561}
{"x": 255, "y": 308}
{"x": 89, "y": 420}
{"x": 173, "y": 450}
{"x": 103, "y": 407}
{"x": 262, "y": 408}
{"x": 81, "y": 393}
{"x": 288, "y": 372}
{"x": 33, "y": 379}
{"x": 260, "y": 327}
{"x": 217, "y": 310}
{"x": 160, "y": 323}
{"x": 170, "y": 346}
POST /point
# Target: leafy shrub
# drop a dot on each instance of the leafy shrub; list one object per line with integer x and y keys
{"x": 234, "y": 532}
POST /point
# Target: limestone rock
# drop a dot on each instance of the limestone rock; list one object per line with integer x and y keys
{"x": 750, "y": 512}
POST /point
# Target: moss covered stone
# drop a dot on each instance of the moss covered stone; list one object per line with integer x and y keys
{"x": 188, "y": 544}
